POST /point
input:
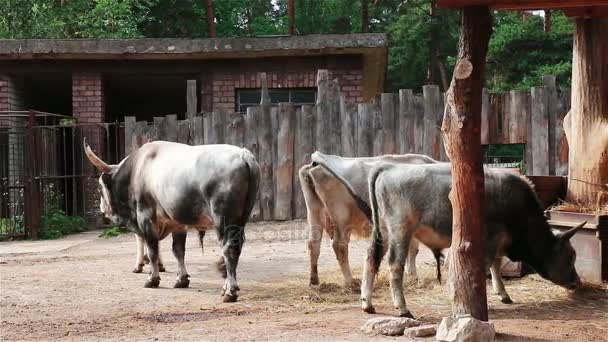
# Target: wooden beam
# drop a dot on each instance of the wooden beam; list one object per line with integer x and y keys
{"x": 521, "y": 4}
{"x": 587, "y": 12}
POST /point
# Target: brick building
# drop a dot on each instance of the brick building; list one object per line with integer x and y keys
{"x": 104, "y": 80}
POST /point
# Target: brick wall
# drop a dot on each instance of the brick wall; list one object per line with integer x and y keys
{"x": 281, "y": 73}
{"x": 88, "y": 106}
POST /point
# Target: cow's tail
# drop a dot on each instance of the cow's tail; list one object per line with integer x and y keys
{"x": 252, "y": 186}
{"x": 377, "y": 243}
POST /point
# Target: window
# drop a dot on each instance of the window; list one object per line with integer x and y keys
{"x": 251, "y": 97}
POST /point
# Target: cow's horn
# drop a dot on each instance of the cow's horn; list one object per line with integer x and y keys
{"x": 570, "y": 232}
{"x": 94, "y": 159}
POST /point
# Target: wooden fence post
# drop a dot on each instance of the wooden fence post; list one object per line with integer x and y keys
{"x": 433, "y": 112}
{"x": 191, "y": 99}
{"x": 171, "y": 127}
{"x": 348, "y": 118}
{"x": 407, "y": 122}
{"x": 130, "y": 143}
{"x": 365, "y": 130}
{"x": 540, "y": 132}
{"x": 561, "y": 143}
{"x": 485, "y": 117}
{"x": 264, "y": 135}
{"x": 196, "y": 130}
{"x": 304, "y": 147}
{"x": 378, "y": 135}
{"x": 183, "y": 131}
{"x": 419, "y": 124}
{"x": 234, "y": 129}
{"x": 251, "y": 143}
{"x": 285, "y": 162}
{"x": 208, "y": 128}
{"x": 322, "y": 117}
{"x": 390, "y": 122}
{"x": 334, "y": 118}
{"x": 552, "y": 103}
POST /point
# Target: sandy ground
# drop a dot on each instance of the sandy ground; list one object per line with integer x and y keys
{"x": 81, "y": 288}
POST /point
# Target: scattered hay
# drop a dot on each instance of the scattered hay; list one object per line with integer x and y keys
{"x": 594, "y": 209}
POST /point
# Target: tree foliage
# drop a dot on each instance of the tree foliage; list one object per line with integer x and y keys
{"x": 520, "y": 51}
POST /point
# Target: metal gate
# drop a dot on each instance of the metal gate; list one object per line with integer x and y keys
{"x": 44, "y": 174}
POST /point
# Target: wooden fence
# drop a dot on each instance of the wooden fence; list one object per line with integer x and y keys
{"x": 283, "y": 137}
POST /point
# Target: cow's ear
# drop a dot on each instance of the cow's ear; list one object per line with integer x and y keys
{"x": 106, "y": 178}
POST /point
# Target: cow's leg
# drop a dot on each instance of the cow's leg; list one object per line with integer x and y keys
{"x": 397, "y": 254}
{"x": 411, "y": 259}
{"x": 315, "y": 236}
{"x": 232, "y": 246}
{"x": 144, "y": 221}
{"x": 139, "y": 260}
{"x": 179, "y": 250}
{"x": 497, "y": 283}
{"x": 161, "y": 266}
{"x": 340, "y": 246}
{"x": 375, "y": 253}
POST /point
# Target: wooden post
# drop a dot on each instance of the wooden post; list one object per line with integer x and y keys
{"x": 586, "y": 125}
{"x": 251, "y": 143}
{"x": 549, "y": 83}
{"x": 407, "y": 122}
{"x": 196, "y": 130}
{"x": 264, "y": 135}
{"x": 322, "y": 118}
{"x": 485, "y": 117}
{"x": 234, "y": 132}
{"x": 540, "y": 133}
{"x": 561, "y": 143}
{"x": 334, "y": 119}
{"x": 378, "y": 136}
{"x": 183, "y": 131}
{"x": 304, "y": 147}
{"x": 388, "y": 104}
{"x": 130, "y": 125}
{"x": 432, "y": 119}
{"x": 171, "y": 127}
{"x": 461, "y": 130}
{"x": 365, "y": 130}
{"x": 33, "y": 212}
{"x": 285, "y": 162}
{"x": 419, "y": 124}
{"x": 191, "y": 99}
{"x": 348, "y": 118}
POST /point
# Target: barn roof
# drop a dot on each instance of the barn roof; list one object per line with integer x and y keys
{"x": 576, "y": 8}
{"x": 179, "y": 48}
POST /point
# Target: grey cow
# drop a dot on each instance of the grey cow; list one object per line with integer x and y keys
{"x": 164, "y": 187}
{"x": 327, "y": 183}
{"x": 411, "y": 201}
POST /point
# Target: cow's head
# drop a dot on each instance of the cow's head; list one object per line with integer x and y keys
{"x": 111, "y": 203}
{"x": 559, "y": 266}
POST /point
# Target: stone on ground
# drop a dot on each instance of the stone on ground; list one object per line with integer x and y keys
{"x": 420, "y": 331}
{"x": 390, "y": 326}
{"x": 465, "y": 329}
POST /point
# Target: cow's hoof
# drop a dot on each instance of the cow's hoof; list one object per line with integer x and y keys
{"x": 161, "y": 268}
{"x": 182, "y": 283}
{"x": 138, "y": 269}
{"x": 407, "y": 314}
{"x": 506, "y": 300}
{"x": 354, "y": 285}
{"x": 314, "y": 281}
{"x": 370, "y": 310}
{"x": 154, "y": 282}
{"x": 146, "y": 259}
{"x": 228, "y": 298}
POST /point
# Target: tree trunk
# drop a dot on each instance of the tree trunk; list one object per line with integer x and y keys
{"x": 547, "y": 21}
{"x": 461, "y": 132}
{"x": 291, "y": 15}
{"x": 586, "y": 125}
{"x": 364, "y": 16}
{"x": 210, "y": 19}
{"x": 432, "y": 65}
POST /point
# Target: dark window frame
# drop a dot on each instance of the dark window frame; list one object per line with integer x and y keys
{"x": 239, "y": 106}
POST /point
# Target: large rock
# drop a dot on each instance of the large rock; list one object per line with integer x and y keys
{"x": 420, "y": 331}
{"x": 390, "y": 326}
{"x": 465, "y": 329}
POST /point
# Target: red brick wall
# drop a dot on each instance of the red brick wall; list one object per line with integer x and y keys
{"x": 281, "y": 73}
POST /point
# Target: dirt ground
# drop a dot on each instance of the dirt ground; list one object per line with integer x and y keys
{"x": 81, "y": 288}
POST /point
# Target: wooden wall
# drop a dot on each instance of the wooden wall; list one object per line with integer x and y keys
{"x": 282, "y": 137}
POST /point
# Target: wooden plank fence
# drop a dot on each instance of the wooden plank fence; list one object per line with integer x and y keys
{"x": 282, "y": 137}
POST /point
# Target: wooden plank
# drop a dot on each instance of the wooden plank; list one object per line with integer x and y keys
{"x": 208, "y": 128}
{"x": 251, "y": 143}
{"x": 191, "y": 99}
{"x": 378, "y": 138}
{"x": 304, "y": 147}
{"x": 485, "y": 117}
{"x": 130, "y": 125}
{"x": 433, "y": 114}
{"x": 196, "y": 130}
{"x": 142, "y": 133}
{"x": 265, "y": 143}
{"x": 518, "y": 114}
{"x": 216, "y": 133}
{"x": 348, "y": 119}
{"x": 365, "y": 130}
{"x": 183, "y": 131}
{"x": 334, "y": 119}
{"x": 419, "y": 124}
{"x": 494, "y": 119}
{"x": 407, "y": 122}
{"x": 561, "y": 143}
{"x": 506, "y": 118}
{"x": 549, "y": 83}
{"x": 234, "y": 132}
{"x": 390, "y": 122}
{"x": 159, "y": 128}
{"x": 322, "y": 117}
{"x": 540, "y": 132}
{"x": 171, "y": 127}
{"x": 283, "y": 208}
